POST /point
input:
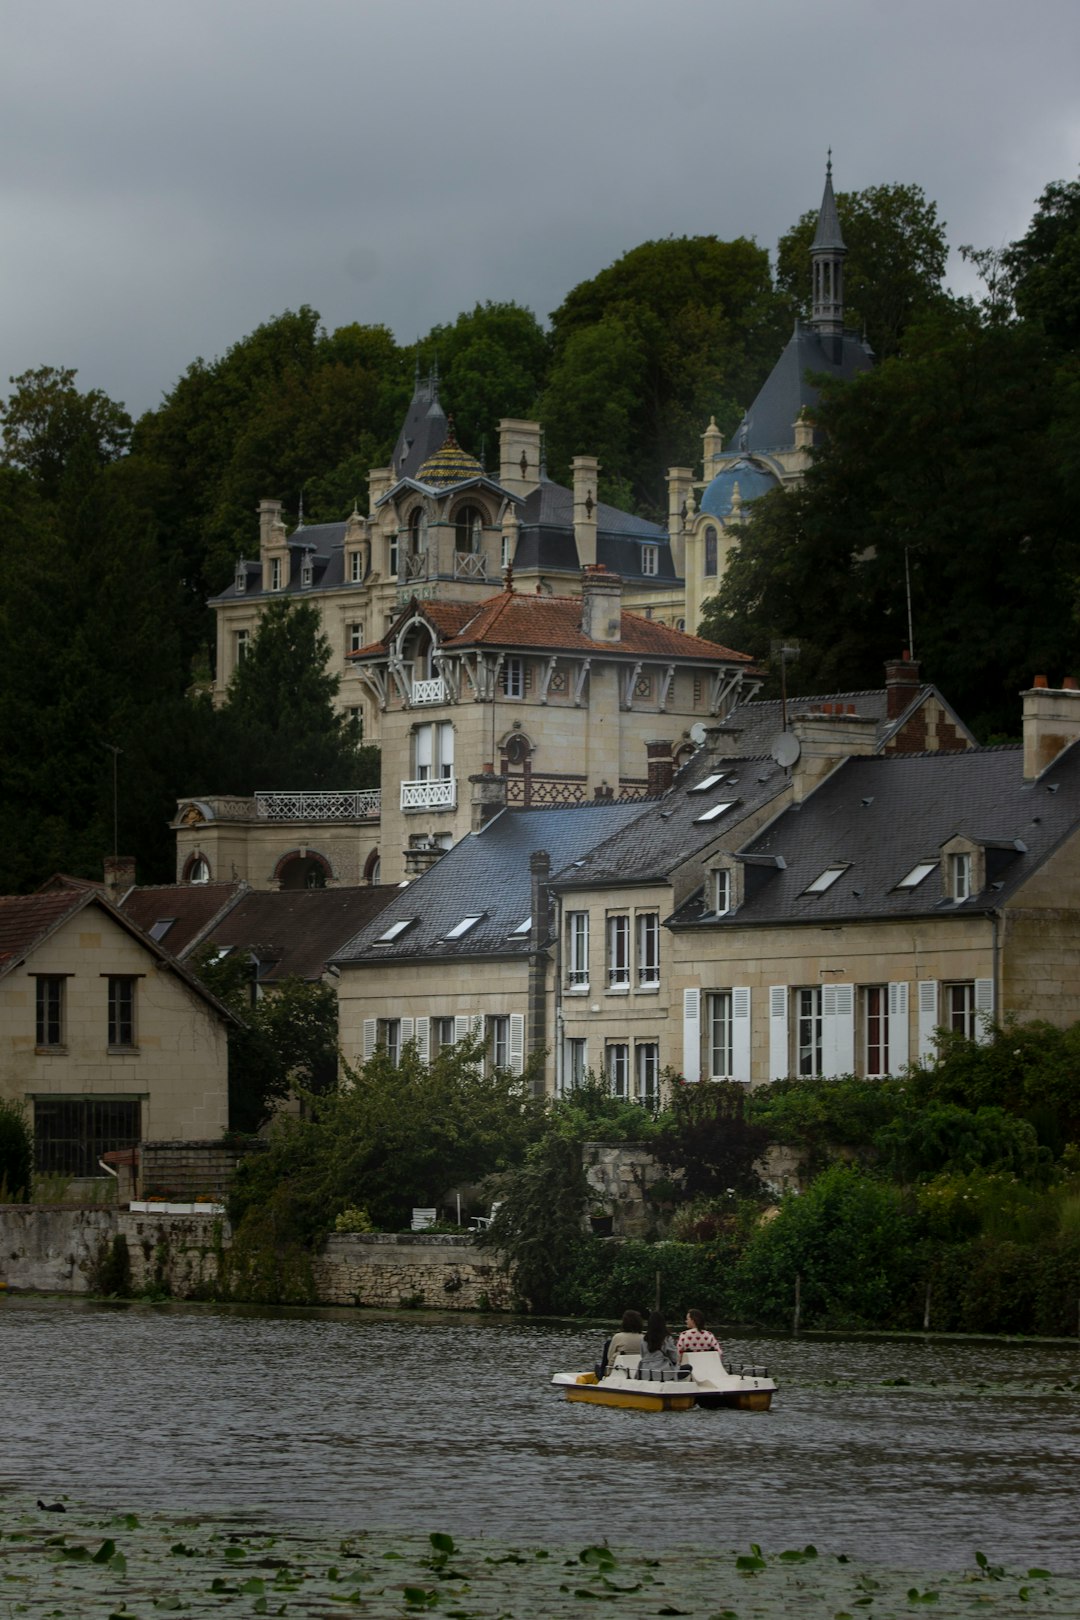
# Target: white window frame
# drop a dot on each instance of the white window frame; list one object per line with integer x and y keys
{"x": 648, "y": 949}
{"x": 512, "y": 677}
{"x": 721, "y": 887}
{"x": 876, "y": 1007}
{"x": 356, "y": 568}
{"x": 499, "y": 1040}
{"x": 719, "y": 1034}
{"x": 650, "y": 561}
{"x": 809, "y": 1032}
{"x": 243, "y": 638}
{"x": 618, "y": 950}
{"x": 577, "y": 1062}
{"x": 960, "y": 875}
{"x": 354, "y": 635}
{"x": 275, "y": 573}
{"x": 617, "y": 1068}
{"x": 647, "y": 1072}
{"x": 577, "y": 951}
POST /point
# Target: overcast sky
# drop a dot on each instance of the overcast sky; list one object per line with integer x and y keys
{"x": 173, "y": 174}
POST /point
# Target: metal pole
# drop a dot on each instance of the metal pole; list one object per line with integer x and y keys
{"x": 798, "y": 1303}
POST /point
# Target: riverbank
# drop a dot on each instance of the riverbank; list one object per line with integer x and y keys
{"x": 128, "y": 1564}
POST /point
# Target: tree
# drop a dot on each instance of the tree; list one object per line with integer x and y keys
{"x": 538, "y": 1229}
{"x": 392, "y": 1137}
{"x": 709, "y": 1143}
{"x": 645, "y": 351}
{"x": 492, "y": 363}
{"x": 1045, "y": 264}
{"x": 895, "y": 263}
{"x": 278, "y": 726}
{"x": 16, "y": 1154}
{"x": 47, "y": 419}
{"x": 916, "y": 481}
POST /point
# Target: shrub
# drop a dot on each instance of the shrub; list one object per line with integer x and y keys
{"x": 16, "y": 1154}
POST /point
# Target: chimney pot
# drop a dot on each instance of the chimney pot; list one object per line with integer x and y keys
{"x": 1069, "y": 684}
{"x": 1040, "y": 681}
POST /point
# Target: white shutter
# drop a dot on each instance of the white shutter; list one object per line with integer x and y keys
{"x": 423, "y": 1039}
{"x": 517, "y": 1042}
{"x": 463, "y": 1023}
{"x": 984, "y": 1009}
{"x": 691, "y": 1034}
{"x": 928, "y": 1018}
{"x": 407, "y": 1025}
{"x": 423, "y": 751}
{"x": 779, "y": 1062}
{"x": 740, "y": 1034}
{"x": 837, "y": 1030}
{"x": 371, "y": 1036}
{"x": 898, "y": 1026}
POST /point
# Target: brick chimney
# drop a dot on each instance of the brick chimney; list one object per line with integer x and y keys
{"x": 1051, "y": 723}
{"x": 661, "y": 767}
{"x": 488, "y": 797}
{"x": 586, "y": 474}
{"x": 601, "y": 604}
{"x": 119, "y": 876}
{"x": 902, "y": 682}
{"x": 824, "y": 740}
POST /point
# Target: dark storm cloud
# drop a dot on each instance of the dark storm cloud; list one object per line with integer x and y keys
{"x": 172, "y": 176}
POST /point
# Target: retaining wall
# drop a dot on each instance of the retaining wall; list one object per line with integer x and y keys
{"x": 405, "y": 1268}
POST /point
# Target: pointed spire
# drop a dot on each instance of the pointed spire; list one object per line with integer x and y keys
{"x": 827, "y": 264}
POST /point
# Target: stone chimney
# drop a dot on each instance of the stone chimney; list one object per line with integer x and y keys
{"x": 680, "y": 491}
{"x": 661, "y": 767}
{"x": 519, "y": 455}
{"x": 119, "y": 876}
{"x": 586, "y": 474}
{"x": 713, "y": 446}
{"x": 269, "y": 523}
{"x": 825, "y": 739}
{"x": 722, "y": 742}
{"x": 902, "y": 683}
{"x": 273, "y": 546}
{"x": 488, "y": 797}
{"x": 419, "y": 857}
{"x": 1051, "y": 723}
{"x": 601, "y": 605}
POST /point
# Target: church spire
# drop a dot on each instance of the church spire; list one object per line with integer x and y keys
{"x": 827, "y": 262}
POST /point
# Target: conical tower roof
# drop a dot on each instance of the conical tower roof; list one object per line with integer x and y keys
{"x": 450, "y": 464}
{"x": 828, "y": 237}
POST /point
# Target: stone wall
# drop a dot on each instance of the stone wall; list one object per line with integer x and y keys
{"x": 404, "y": 1268}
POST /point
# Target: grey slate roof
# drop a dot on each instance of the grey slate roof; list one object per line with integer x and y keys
{"x": 327, "y": 543}
{"x": 669, "y": 832}
{"x": 769, "y": 424}
{"x": 759, "y": 720}
{"x": 295, "y": 932}
{"x": 423, "y": 430}
{"x": 486, "y": 873}
{"x": 879, "y": 816}
{"x": 546, "y": 536}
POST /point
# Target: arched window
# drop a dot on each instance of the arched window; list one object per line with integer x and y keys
{"x": 417, "y": 532}
{"x": 468, "y": 528}
{"x": 197, "y": 869}
{"x": 372, "y": 868}
{"x": 710, "y": 552}
{"x": 298, "y": 871}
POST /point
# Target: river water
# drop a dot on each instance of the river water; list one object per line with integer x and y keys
{"x": 909, "y": 1453}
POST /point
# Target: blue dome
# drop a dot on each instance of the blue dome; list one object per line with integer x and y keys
{"x": 752, "y": 480}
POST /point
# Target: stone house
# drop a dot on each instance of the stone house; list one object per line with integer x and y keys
{"x": 107, "y": 1038}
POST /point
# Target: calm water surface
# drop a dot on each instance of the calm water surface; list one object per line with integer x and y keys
{"x": 356, "y": 1419}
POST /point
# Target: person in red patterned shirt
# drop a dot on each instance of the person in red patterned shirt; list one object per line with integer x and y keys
{"x": 695, "y": 1335}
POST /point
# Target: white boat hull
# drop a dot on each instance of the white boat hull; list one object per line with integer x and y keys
{"x": 710, "y": 1384}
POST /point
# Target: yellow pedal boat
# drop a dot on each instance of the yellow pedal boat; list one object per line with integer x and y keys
{"x": 710, "y": 1383}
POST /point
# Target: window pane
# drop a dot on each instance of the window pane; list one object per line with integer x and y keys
{"x": 72, "y": 1134}
{"x": 121, "y": 1012}
{"x": 720, "y": 1054}
{"x": 50, "y": 1011}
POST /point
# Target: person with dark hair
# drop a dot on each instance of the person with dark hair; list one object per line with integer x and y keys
{"x": 659, "y": 1357}
{"x": 695, "y": 1335}
{"x": 626, "y": 1342}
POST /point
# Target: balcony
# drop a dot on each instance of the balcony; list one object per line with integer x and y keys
{"x": 433, "y": 691}
{"x": 434, "y": 793}
{"x": 363, "y": 805}
{"x": 470, "y": 565}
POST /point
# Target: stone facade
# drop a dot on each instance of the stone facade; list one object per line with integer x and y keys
{"x": 395, "y": 1270}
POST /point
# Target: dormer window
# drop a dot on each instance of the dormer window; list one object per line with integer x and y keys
{"x": 721, "y": 891}
{"x": 650, "y": 560}
{"x": 275, "y": 573}
{"x": 356, "y": 568}
{"x": 241, "y": 577}
{"x": 307, "y": 570}
{"x": 960, "y": 875}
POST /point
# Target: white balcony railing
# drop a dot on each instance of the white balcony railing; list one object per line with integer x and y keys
{"x": 433, "y": 691}
{"x": 436, "y": 793}
{"x": 363, "y": 805}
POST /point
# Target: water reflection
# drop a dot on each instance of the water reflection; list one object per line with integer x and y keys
{"x": 421, "y": 1422}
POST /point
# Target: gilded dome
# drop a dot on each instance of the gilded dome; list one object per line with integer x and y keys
{"x": 449, "y": 465}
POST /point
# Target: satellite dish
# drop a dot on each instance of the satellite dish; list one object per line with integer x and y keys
{"x": 697, "y": 733}
{"x": 785, "y": 748}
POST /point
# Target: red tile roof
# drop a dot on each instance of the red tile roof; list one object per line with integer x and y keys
{"x": 192, "y": 907}
{"x": 27, "y": 918}
{"x": 553, "y": 624}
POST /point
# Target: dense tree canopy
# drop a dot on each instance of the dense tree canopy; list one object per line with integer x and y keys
{"x": 895, "y": 263}
{"x": 48, "y": 422}
{"x": 1045, "y": 264}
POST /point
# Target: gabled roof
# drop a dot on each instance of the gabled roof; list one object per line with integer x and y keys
{"x": 486, "y": 875}
{"x": 191, "y": 910}
{"x": 758, "y": 720}
{"x": 551, "y": 624}
{"x": 671, "y": 830}
{"x": 28, "y": 920}
{"x": 294, "y": 932}
{"x": 880, "y": 816}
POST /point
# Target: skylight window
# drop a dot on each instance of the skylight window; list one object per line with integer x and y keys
{"x": 715, "y": 810}
{"x": 825, "y": 880}
{"x": 522, "y": 928}
{"x": 916, "y": 875}
{"x": 463, "y": 926}
{"x": 709, "y": 782}
{"x": 395, "y": 931}
{"x": 161, "y": 927}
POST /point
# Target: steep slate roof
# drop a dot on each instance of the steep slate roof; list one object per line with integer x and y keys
{"x": 27, "y": 921}
{"x": 546, "y": 537}
{"x": 326, "y": 542}
{"x": 295, "y": 932}
{"x": 670, "y": 831}
{"x": 769, "y": 424}
{"x": 193, "y": 907}
{"x": 759, "y": 720}
{"x": 487, "y": 873}
{"x": 879, "y": 816}
{"x": 553, "y": 623}
{"x": 423, "y": 429}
